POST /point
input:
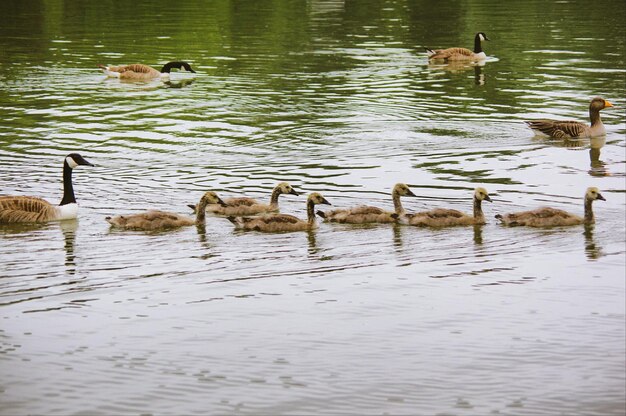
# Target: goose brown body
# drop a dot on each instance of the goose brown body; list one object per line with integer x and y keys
{"x": 442, "y": 217}
{"x": 565, "y": 129}
{"x": 142, "y": 72}
{"x": 367, "y": 214}
{"x": 159, "y": 220}
{"x": 552, "y": 217}
{"x": 460, "y": 54}
{"x": 245, "y": 206}
{"x": 19, "y": 209}
{"x": 282, "y": 222}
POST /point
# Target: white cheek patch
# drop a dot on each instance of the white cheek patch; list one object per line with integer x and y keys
{"x": 481, "y": 37}
{"x": 70, "y": 161}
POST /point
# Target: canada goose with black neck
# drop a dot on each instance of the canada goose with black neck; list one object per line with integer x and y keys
{"x": 460, "y": 54}
{"x": 282, "y": 222}
{"x": 159, "y": 220}
{"x": 141, "y": 72}
{"x": 552, "y": 217}
{"x": 33, "y": 209}
{"x": 567, "y": 129}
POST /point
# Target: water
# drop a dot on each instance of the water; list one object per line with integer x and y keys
{"x": 336, "y": 98}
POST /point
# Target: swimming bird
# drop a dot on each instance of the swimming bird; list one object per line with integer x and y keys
{"x": 441, "y": 217}
{"x": 366, "y": 214}
{"x": 33, "y": 209}
{"x": 551, "y": 217}
{"x": 244, "y": 206}
{"x": 460, "y": 54}
{"x": 282, "y": 222}
{"x": 160, "y": 220}
{"x": 141, "y": 72}
{"x": 561, "y": 129}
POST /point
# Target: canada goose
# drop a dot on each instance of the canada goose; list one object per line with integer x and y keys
{"x": 366, "y": 214}
{"x": 33, "y": 209}
{"x": 441, "y": 217}
{"x": 560, "y": 129}
{"x": 141, "y": 71}
{"x": 244, "y": 206}
{"x": 551, "y": 217}
{"x": 460, "y": 54}
{"x": 159, "y": 220}
{"x": 282, "y": 222}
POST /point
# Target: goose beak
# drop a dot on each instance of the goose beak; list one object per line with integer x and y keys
{"x": 324, "y": 201}
{"x": 222, "y": 203}
{"x": 82, "y": 161}
{"x": 293, "y": 192}
{"x": 487, "y": 198}
{"x": 486, "y": 38}
{"x": 600, "y": 197}
{"x": 410, "y": 193}
{"x": 607, "y": 104}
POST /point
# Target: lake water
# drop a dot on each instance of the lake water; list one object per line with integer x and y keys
{"x": 335, "y": 97}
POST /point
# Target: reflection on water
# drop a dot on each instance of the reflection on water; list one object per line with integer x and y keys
{"x": 332, "y": 97}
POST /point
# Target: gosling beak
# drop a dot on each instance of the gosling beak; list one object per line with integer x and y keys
{"x": 607, "y": 104}
{"x": 324, "y": 201}
{"x": 410, "y": 193}
{"x": 293, "y": 192}
{"x": 487, "y": 198}
{"x": 600, "y": 197}
{"x": 222, "y": 203}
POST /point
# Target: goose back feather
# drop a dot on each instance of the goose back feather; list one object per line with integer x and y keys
{"x": 443, "y": 217}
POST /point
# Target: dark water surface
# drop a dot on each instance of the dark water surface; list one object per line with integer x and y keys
{"x": 335, "y": 97}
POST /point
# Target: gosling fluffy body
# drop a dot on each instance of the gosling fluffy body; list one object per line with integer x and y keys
{"x": 441, "y": 217}
{"x": 244, "y": 206}
{"x": 142, "y": 72}
{"x": 282, "y": 222}
{"x": 552, "y": 217}
{"x": 160, "y": 220}
{"x": 367, "y": 214}
{"x": 15, "y": 209}
{"x": 460, "y": 54}
{"x": 566, "y": 129}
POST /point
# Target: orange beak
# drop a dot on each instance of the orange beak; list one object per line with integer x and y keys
{"x": 607, "y": 104}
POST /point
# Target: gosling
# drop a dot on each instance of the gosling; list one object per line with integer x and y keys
{"x": 367, "y": 214}
{"x": 551, "y": 217}
{"x": 244, "y": 206}
{"x": 442, "y": 217}
{"x": 160, "y": 220}
{"x": 282, "y": 222}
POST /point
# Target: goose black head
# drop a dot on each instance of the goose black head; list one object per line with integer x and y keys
{"x": 176, "y": 65}
{"x": 74, "y": 159}
{"x": 482, "y": 36}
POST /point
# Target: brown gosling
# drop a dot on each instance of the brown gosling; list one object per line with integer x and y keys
{"x": 367, "y": 214}
{"x": 282, "y": 222}
{"x": 560, "y": 129}
{"x": 14, "y": 209}
{"x": 141, "y": 72}
{"x": 244, "y": 206}
{"x": 551, "y": 217}
{"x": 160, "y": 220}
{"x": 460, "y": 54}
{"x": 441, "y": 217}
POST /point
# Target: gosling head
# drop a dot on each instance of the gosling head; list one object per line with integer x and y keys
{"x": 593, "y": 193}
{"x": 599, "y": 103}
{"x": 74, "y": 159}
{"x": 481, "y": 36}
{"x": 118, "y": 220}
{"x": 481, "y": 194}
{"x": 317, "y": 198}
{"x": 285, "y": 188}
{"x": 212, "y": 198}
{"x": 402, "y": 189}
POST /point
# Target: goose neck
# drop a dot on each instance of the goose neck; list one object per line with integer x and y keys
{"x": 68, "y": 189}
{"x": 589, "y": 218}
{"x": 310, "y": 212}
{"x": 478, "y": 211}
{"x": 397, "y": 204}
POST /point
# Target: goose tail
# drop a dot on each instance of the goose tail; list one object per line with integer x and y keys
{"x": 237, "y": 221}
